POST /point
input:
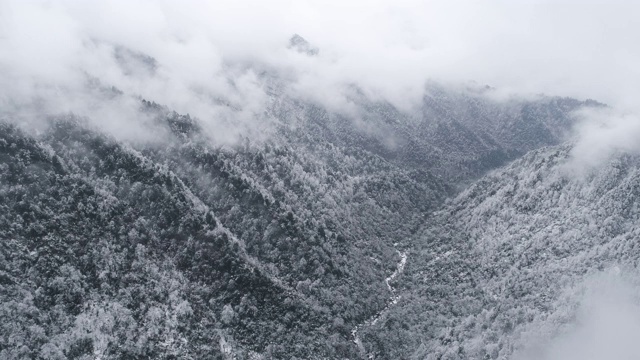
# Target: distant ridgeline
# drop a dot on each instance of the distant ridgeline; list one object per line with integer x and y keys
{"x": 273, "y": 249}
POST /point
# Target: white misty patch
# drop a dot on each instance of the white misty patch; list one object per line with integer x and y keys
{"x": 605, "y": 325}
{"x": 93, "y": 61}
{"x": 602, "y": 133}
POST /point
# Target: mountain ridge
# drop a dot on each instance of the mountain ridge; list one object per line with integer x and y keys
{"x": 276, "y": 248}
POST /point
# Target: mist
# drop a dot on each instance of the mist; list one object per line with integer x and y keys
{"x": 220, "y": 60}
{"x": 600, "y": 134}
{"x": 603, "y": 320}
{"x": 207, "y": 58}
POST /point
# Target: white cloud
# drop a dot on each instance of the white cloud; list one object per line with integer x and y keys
{"x": 605, "y": 321}
{"x": 600, "y": 134}
{"x": 389, "y": 49}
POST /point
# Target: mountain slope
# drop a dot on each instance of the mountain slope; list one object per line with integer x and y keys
{"x": 107, "y": 253}
{"x": 276, "y": 248}
{"x": 503, "y": 268}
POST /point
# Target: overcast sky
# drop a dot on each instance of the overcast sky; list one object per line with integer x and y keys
{"x": 585, "y": 49}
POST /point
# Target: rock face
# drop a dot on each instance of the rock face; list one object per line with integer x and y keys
{"x": 280, "y": 248}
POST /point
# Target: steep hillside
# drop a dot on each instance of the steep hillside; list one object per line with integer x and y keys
{"x": 503, "y": 269}
{"x": 277, "y": 248}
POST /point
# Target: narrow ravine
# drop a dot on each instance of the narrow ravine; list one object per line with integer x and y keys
{"x": 380, "y": 314}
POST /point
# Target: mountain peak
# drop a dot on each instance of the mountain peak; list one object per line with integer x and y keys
{"x": 301, "y": 45}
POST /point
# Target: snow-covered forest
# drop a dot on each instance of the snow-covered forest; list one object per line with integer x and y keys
{"x": 179, "y": 194}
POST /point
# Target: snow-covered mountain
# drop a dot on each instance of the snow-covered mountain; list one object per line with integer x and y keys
{"x": 452, "y": 229}
{"x": 522, "y": 261}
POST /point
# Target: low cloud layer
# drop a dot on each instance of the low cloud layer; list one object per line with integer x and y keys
{"x": 599, "y": 319}
{"x": 208, "y": 56}
{"x": 602, "y": 133}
